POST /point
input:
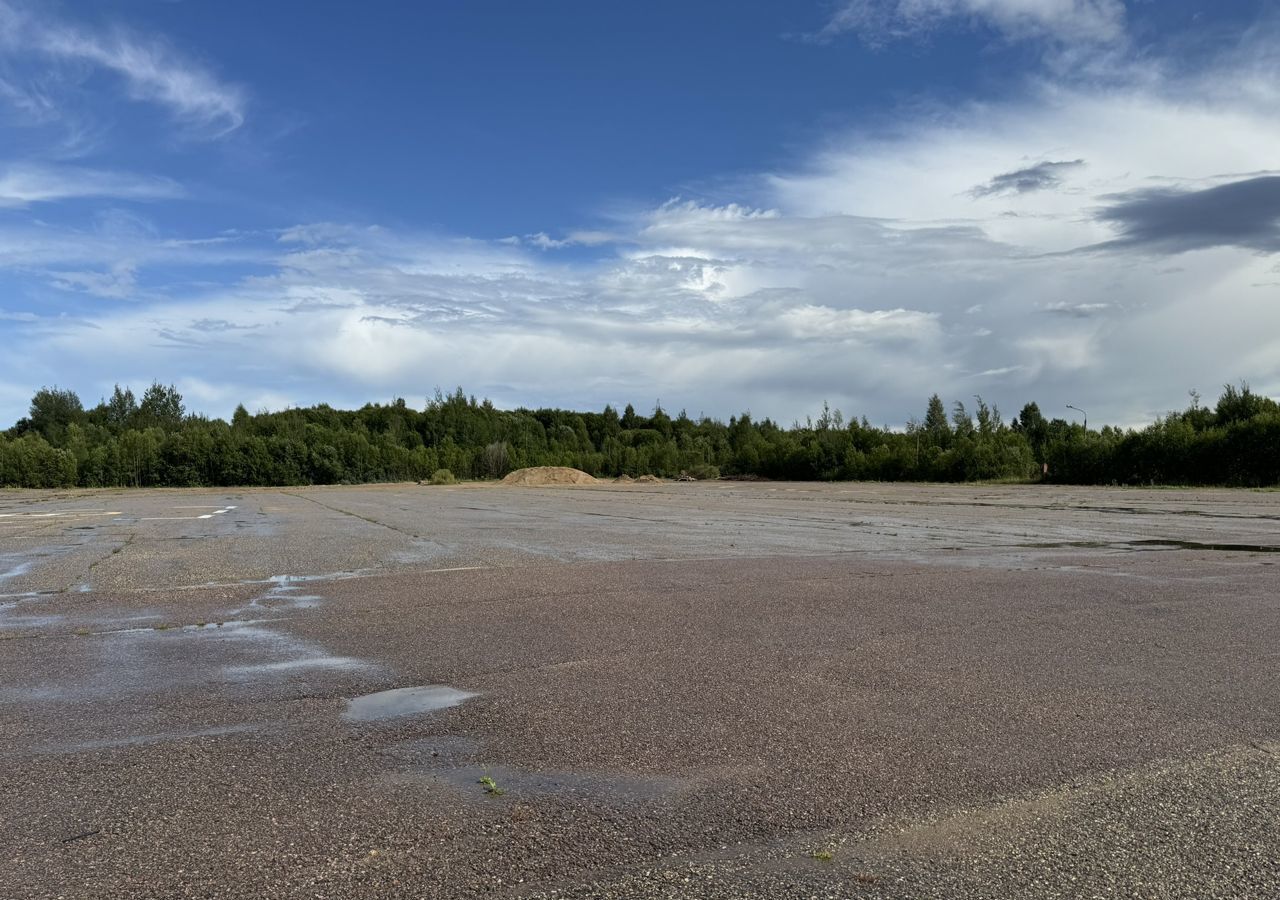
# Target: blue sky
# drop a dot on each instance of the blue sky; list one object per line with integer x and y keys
{"x": 736, "y": 206}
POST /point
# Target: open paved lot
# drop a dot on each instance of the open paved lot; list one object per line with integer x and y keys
{"x": 711, "y": 690}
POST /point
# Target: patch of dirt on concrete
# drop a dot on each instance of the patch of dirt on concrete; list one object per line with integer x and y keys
{"x": 545, "y": 475}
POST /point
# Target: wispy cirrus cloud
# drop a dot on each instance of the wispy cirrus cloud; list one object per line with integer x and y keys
{"x": 23, "y": 184}
{"x": 149, "y": 70}
{"x": 1063, "y": 21}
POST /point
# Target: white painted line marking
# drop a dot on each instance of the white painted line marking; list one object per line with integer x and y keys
{"x": 187, "y": 518}
{"x": 80, "y": 514}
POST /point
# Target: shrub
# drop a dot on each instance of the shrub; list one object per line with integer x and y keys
{"x": 443, "y": 476}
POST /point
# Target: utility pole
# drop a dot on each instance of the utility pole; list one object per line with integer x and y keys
{"x": 1083, "y": 413}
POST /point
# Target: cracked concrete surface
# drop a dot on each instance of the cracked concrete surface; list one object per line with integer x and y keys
{"x": 709, "y": 690}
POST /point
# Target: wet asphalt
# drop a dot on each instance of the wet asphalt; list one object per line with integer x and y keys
{"x": 711, "y": 690}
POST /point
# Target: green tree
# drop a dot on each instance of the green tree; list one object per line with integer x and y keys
{"x": 936, "y": 425}
{"x": 52, "y": 410}
{"x": 161, "y": 407}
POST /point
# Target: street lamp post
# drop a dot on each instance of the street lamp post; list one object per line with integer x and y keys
{"x": 1083, "y": 413}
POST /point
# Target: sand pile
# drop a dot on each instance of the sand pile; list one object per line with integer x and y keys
{"x": 540, "y": 475}
{"x": 648, "y": 479}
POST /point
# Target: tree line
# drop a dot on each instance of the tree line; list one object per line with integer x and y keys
{"x": 152, "y": 441}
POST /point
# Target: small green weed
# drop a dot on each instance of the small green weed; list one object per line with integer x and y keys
{"x": 491, "y": 786}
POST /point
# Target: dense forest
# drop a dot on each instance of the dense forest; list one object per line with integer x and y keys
{"x": 124, "y": 441}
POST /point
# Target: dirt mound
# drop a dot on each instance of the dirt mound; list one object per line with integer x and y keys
{"x": 648, "y": 479}
{"x": 625, "y": 479}
{"x": 540, "y": 475}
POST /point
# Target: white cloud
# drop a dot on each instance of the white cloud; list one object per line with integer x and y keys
{"x": 1067, "y": 21}
{"x": 871, "y": 276}
{"x": 811, "y": 322}
{"x": 23, "y": 184}
{"x": 119, "y": 282}
{"x": 1127, "y": 138}
{"x": 150, "y": 70}
{"x": 579, "y": 238}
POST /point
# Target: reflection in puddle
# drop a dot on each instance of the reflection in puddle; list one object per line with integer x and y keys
{"x": 153, "y": 661}
{"x": 403, "y": 702}
{"x": 292, "y": 665}
{"x": 20, "y": 569}
{"x": 142, "y": 739}
{"x": 284, "y": 593}
{"x": 8, "y": 618}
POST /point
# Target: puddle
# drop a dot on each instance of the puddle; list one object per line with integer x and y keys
{"x": 234, "y": 659}
{"x": 283, "y": 582}
{"x": 20, "y": 569}
{"x": 275, "y": 600}
{"x": 1195, "y": 545}
{"x": 28, "y": 622}
{"x": 293, "y": 665}
{"x": 519, "y": 782}
{"x": 444, "y": 749}
{"x": 143, "y": 739}
{"x": 403, "y": 702}
{"x": 1153, "y": 544}
{"x": 457, "y": 761}
{"x": 284, "y": 594}
{"x": 290, "y": 582}
{"x": 11, "y": 617}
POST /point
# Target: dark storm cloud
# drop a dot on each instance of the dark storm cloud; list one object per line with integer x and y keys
{"x": 1039, "y": 177}
{"x": 1240, "y": 214}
